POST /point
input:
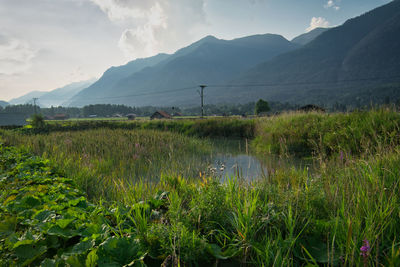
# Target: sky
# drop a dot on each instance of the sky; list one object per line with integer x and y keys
{"x": 46, "y": 44}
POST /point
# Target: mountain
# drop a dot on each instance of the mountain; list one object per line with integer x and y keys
{"x": 113, "y": 75}
{"x": 358, "y": 61}
{"x": 27, "y": 98}
{"x": 307, "y": 37}
{"x": 209, "y": 60}
{"x": 61, "y": 96}
{"x": 3, "y": 103}
{"x": 56, "y": 97}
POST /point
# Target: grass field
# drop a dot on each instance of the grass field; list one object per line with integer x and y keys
{"x": 345, "y": 213}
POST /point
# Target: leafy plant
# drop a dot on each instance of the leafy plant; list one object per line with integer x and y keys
{"x": 37, "y": 121}
{"x": 262, "y": 106}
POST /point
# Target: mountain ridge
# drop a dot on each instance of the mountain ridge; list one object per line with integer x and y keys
{"x": 55, "y": 97}
{"x": 307, "y": 37}
{"x": 208, "y": 60}
{"x": 333, "y": 59}
{"x": 3, "y": 103}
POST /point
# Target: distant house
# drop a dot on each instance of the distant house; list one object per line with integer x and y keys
{"x": 311, "y": 108}
{"x": 131, "y": 116}
{"x": 12, "y": 119}
{"x": 61, "y": 117}
{"x": 160, "y": 114}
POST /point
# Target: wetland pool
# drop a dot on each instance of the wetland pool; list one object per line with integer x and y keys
{"x": 235, "y": 158}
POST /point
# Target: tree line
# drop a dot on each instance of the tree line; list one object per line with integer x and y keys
{"x": 110, "y": 110}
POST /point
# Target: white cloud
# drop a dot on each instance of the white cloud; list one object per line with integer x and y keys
{"x": 121, "y": 10}
{"x": 15, "y": 55}
{"x": 153, "y": 26}
{"x": 318, "y": 22}
{"x": 333, "y": 4}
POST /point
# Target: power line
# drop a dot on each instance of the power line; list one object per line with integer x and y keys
{"x": 252, "y": 85}
{"x": 143, "y": 94}
{"x": 304, "y": 83}
{"x": 236, "y": 86}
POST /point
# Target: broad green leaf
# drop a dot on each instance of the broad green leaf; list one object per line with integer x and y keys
{"x": 44, "y": 215}
{"x": 119, "y": 251}
{"x": 52, "y": 263}
{"x": 48, "y": 263}
{"x": 91, "y": 259}
{"x": 7, "y": 226}
{"x": 30, "y": 201}
{"x": 81, "y": 247}
{"x": 57, "y": 230}
{"x": 63, "y": 223}
{"x": 26, "y": 254}
{"x": 23, "y": 242}
{"x": 75, "y": 261}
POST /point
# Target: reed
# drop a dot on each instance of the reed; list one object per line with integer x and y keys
{"x": 345, "y": 212}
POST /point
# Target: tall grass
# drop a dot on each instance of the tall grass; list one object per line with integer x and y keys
{"x": 105, "y": 161}
{"x": 217, "y": 127}
{"x": 291, "y": 218}
{"x": 307, "y": 134}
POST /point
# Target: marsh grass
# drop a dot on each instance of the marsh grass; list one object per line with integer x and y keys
{"x": 293, "y": 217}
{"x": 106, "y": 162}
{"x": 211, "y": 127}
{"x": 322, "y": 135}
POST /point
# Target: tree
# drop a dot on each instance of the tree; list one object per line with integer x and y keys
{"x": 261, "y": 107}
{"x": 37, "y": 121}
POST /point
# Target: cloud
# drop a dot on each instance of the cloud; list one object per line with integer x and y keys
{"x": 15, "y": 55}
{"x": 333, "y": 4}
{"x": 318, "y": 22}
{"x": 153, "y": 26}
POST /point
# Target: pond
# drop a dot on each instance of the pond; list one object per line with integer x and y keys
{"x": 235, "y": 158}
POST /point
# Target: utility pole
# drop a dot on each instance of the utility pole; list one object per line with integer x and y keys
{"x": 34, "y": 104}
{"x": 202, "y": 99}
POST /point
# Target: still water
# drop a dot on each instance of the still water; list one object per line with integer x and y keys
{"x": 235, "y": 158}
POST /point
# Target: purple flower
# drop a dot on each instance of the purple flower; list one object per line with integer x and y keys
{"x": 365, "y": 248}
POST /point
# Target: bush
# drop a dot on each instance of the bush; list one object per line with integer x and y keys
{"x": 37, "y": 121}
{"x": 261, "y": 107}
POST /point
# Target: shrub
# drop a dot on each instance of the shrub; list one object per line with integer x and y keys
{"x": 37, "y": 121}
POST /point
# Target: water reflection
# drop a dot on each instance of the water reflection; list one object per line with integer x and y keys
{"x": 244, "y": 166}
{"x": 235, "y": 158}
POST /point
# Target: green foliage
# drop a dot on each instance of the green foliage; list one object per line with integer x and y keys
{"x": 291, "y": 218}
{"x": 262, "y": 106}
{"x": 115, "y": 159}
{"x": 326, "y": 134}
{"x": 27, "y": 109}
{"x": 124, "y": 251}
{"x": 37, "y": 121}
{"x": 226, "y": 127}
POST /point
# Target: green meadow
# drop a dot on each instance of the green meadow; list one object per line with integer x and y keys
{"x": 138, "y": 193}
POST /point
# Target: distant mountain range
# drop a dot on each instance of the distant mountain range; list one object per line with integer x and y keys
{"x": 3, "y": 103}
{"x": 305, "y": 38}
{"x": 355, "y": 63}
{"x": 210, "y": 60}
{"x": 56, "y": 97}
{"x": 27, "y": 98}
{"x": 101, "y": 89}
